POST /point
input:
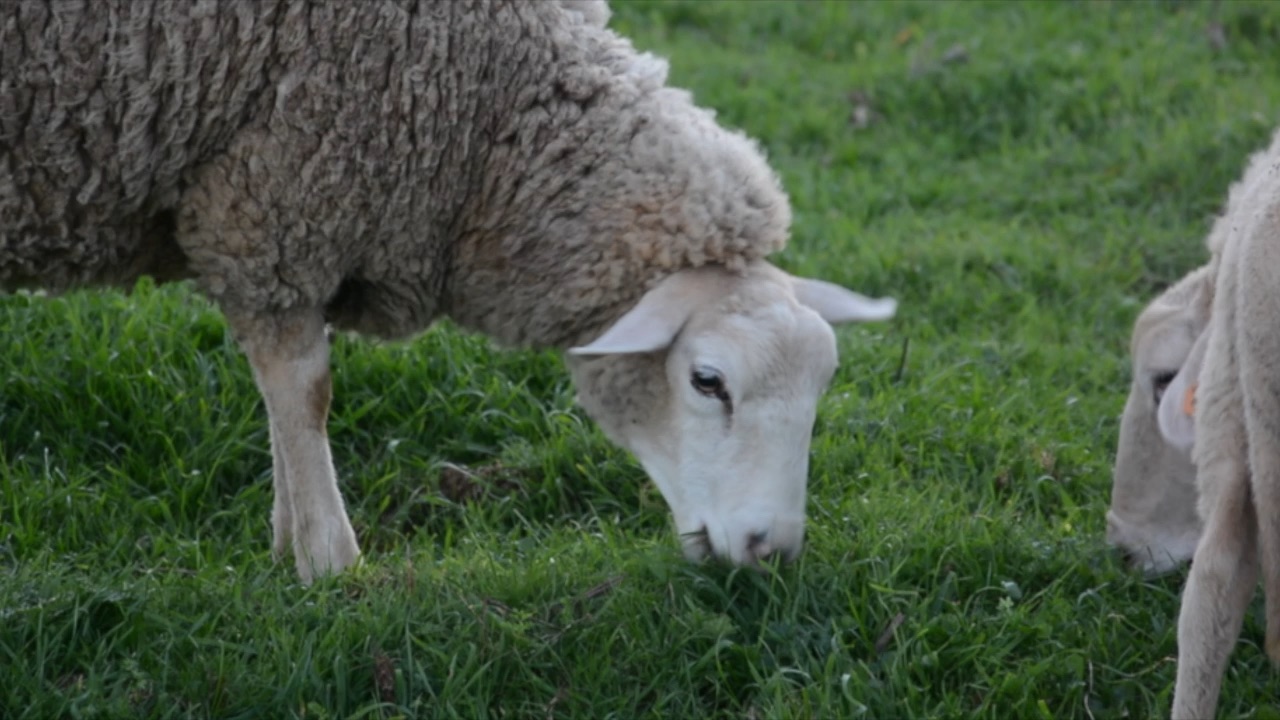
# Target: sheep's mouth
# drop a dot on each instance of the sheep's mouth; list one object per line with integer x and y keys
{"x": 696, "y": 544}
{"x": 697, "y": 548}
{"x": 1144, "y": 560}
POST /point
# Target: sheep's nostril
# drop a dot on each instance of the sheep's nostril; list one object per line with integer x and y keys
{"x": 1128, "y": 556}
{"x": 756, "y": 542}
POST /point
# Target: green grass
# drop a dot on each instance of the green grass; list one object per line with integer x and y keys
{"x": 1021, "y": 203}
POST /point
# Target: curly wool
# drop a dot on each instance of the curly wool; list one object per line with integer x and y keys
{"x": 513, "y": 165}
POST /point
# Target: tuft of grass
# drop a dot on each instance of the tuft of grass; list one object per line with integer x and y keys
{"x": 1021, "y": 176}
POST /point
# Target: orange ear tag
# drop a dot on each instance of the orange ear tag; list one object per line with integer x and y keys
{"x": 1189, "y": 400}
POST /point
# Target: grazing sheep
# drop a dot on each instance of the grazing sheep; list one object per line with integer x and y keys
{"x": 1231, "y": 434}
{"x": 376, "y": 165}
{"x": 1153, "y": 496}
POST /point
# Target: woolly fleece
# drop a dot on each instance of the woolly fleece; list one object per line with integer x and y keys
{"x": 513, "y": 165}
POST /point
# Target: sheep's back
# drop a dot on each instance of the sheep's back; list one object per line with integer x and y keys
{"x": 104, "y": 105}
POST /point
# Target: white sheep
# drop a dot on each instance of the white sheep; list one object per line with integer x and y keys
{"x": 376, "y": 165}
{"x": 1153, "y": 516}
{"x": 1223, "y": 405}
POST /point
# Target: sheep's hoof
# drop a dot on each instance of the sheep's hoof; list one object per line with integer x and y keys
{"x": 281, "y": 543}
{"x": 326, "y": 558}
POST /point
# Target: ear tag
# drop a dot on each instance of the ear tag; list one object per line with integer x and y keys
{"x": 1189, "y": 400}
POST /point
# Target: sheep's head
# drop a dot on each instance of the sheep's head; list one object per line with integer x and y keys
{"x": 712, "y": 380}
{"x": 1153, "y": 516}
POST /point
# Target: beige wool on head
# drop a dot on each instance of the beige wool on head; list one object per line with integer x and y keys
{"x": 515, "y": 166}
{"x": 1223, "y": 407}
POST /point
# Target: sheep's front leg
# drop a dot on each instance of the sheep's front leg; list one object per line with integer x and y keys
{"x": 1221, "y": 583}
{"x": 289, "y": 354}
{"x": 282, "y": 505}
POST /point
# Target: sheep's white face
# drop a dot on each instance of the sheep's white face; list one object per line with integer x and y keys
{"x": 713, "y": 382}
{"x": 1153, "y": 516}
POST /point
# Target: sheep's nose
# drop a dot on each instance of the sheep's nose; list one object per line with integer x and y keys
{"x": 761, "y": 550}
{"x": 1127, "y": 556}
{"x": 758, "y": 546}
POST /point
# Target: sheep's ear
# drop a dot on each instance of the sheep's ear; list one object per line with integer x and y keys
{"x": 838, "y": 305}
{"x": 649, "y": 326}
{"x": 1176, "y": 414}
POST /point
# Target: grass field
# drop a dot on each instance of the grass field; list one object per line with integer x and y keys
{"x": 1022, "y": 177}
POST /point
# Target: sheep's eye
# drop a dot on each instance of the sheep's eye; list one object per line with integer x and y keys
{"x": 708, "y": 381}
{"x": 1160, "y": 383}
